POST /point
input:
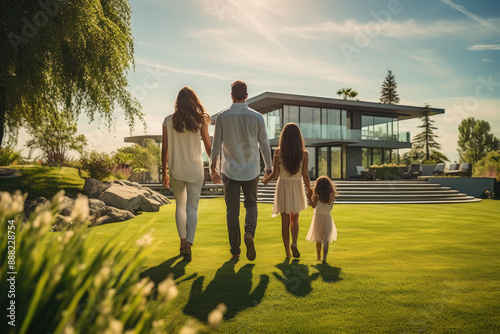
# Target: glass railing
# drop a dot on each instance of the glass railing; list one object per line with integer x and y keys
{"x": 339, "y": 132}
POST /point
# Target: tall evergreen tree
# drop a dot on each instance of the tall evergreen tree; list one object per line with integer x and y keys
{"x": 475, "y": 140}
{"x": 388, "y": 92}
{"x": 60, "y": 55}
{"x": 426, "y": 140}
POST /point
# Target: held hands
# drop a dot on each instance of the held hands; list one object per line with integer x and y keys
{"x": 266, "y": 177}
{"x": 215, "y": 177}
{"x": 309, "y": 196}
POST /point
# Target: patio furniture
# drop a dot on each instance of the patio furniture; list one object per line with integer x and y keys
{"x": 362, "y": 174}
{"x": 464, "y": 170}
{"x": 452, "y": 167}
{"x": 412, "y": 173}
{"x": 439, "y": 170}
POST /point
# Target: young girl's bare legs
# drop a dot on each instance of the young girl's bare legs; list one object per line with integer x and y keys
{"x": 294, "y": 228}
{"x": 285, "y": 232}
{"x": 318, "y": 250}
{"x": 325, "y": 252}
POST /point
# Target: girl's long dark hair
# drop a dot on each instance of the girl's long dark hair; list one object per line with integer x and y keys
{"x": 189, "y": 113}
{"x": 292, "y": 148}
{"x": 324, "y": 189}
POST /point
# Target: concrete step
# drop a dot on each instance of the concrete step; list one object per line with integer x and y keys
{"x": 399, "y": 191}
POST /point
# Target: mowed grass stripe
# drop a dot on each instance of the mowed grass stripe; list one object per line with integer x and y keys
{"x": 394, "y": 269}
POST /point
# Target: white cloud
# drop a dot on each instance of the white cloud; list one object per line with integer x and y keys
{"x": 389, "y": 28}
{"x": 473, "y": 16}
{"x": 486, "y": 60}
{"x": 484, "y": 47}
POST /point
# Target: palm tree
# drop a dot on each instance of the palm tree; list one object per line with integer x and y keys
{"x": 347, "y": 92}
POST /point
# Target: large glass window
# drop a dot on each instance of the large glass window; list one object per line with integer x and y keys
{"x": 273, "y": 125}
{"x": 379, "y": 128}
{"x": 310, "y": 122}
{"x": 290, "y": 114}
{"x": 377, "y": 156}
{"x": 367, "y": 158}
{"x": 366, "y": 127}
{"x": 322, "y": 161}
{"x": 312, "y": 162}
{"x": 330, "y": 128}
{"x": 335, "y": 162}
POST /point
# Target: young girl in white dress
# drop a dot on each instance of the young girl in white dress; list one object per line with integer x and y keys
{"x": 290, "y": 163}
{"x": 322, "y": 230}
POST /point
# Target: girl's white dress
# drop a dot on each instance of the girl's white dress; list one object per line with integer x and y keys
{"x": 322, "y": 228}
{"x": 290, "y": 196}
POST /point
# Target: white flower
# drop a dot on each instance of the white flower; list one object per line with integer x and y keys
{"x": 58, "y": 198}
{"x": 215, "y": 317}
{"x": 102, "y": 276}
{"x": 80, "y": 211}
{"x": 115, "y": 327}
{"x": 148, "y": 289}
{"x": 146, "y": 240}
{"x": 188, "y": 328}
{"x": 167, "y": 288}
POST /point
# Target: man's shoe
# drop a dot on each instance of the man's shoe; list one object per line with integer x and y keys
{"x": 250, "y": 246}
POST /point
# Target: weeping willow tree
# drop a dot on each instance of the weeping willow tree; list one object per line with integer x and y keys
{"x": 65, "y": 55}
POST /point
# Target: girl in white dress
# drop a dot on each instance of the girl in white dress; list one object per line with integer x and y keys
{"x": 290, "y": 163}
{"x": 322, "y": 230}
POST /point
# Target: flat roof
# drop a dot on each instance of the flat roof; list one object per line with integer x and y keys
{"x": 267, "y": 101}
{"x": 140, "y": 139}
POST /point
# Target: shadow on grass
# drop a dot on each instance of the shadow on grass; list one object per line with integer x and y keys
{"x": 229, "y": 287}
{"x": 328, "y": 273}
{"x": 161, "y": 272}
{"x": 296, "y": 277}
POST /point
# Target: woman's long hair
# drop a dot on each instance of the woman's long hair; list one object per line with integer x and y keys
{"x": 189, "y": 113}
{"x": 292, "y": 148}
{"x": 324, "y": 189}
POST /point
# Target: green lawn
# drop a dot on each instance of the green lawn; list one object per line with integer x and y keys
{"x": 393, "y": 269}
{"x": 44, "y": 181}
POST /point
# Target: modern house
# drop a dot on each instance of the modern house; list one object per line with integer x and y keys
{"x": 339, "y": 134}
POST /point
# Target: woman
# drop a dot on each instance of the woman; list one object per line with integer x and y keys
{"x": 181, "y": 154}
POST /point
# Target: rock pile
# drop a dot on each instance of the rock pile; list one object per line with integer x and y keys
{"x": 108, "y": 202}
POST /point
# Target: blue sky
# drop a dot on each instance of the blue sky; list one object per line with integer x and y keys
{"x": 442, "y": 52}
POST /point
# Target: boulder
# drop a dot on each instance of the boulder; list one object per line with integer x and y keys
{"x": 114, "y": 215}
{"x": 30, "y": 206}
{"x": 97, "y": 208}
{"x": 66, "y": 206}
{"x": 94, "y": 188}
{"x": 123, "y": 197}
{"x": 151, "y": 205}
{"x": 119, "y": 182}
{"x": 9, "y": 173}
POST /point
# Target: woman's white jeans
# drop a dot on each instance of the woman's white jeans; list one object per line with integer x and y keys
{"x": 187, "y": 197}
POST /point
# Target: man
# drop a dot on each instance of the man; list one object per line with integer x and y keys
{"x": 240, "y": 131}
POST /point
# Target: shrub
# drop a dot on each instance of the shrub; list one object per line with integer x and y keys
{"x": 146, "y": 157}
{"x": 9, "y": 156}
{"x": 489, "y": 165}
{"x": 122, "y": 172}
{"x": 98, "y": 165}
{"x": 63, "y": 285}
